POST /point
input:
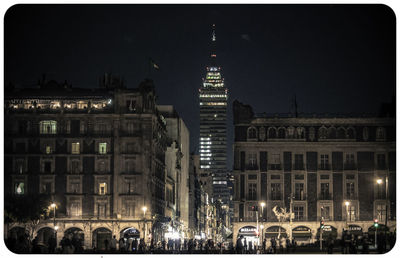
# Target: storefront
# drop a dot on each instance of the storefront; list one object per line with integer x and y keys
{"x": 355, "y": 230}
{"x": 130, "y": 233}
{"x": 100, "y": 236}
{"x": 276, "y": 232}
{"x": 250, "y": 234}
{"x": 327, "y": 231}
{"x": 302, "y": 234}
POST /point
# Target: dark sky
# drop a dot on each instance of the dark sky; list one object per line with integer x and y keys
{"x": 335, "y": 58}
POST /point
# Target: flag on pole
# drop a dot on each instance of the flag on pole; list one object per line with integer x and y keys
{"x": 154, "y": 65}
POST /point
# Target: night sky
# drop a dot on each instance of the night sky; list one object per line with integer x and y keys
{"x": 335, "y": 58}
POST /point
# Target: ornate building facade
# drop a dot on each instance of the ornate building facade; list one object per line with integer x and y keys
{"x": 319, "y": 168}
{"x": 99, "y": 154}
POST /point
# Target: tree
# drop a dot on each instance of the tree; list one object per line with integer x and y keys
{"x": 27, "y": 209}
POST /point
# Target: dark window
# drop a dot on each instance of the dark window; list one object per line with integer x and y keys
{"x": 312, "y": 161}
{"x": 299, "y": 177}
{"x": 281, "y": 133}
{"x": 242, "y": 186}
{"x": 298, "y": 212}
{"x": 325, "y": 191}
{"x": 47, "y": 167}
{"x": 276, "y": 191}
{"x": 287, "y": 161}
{"x": 22, "y": 127}
{"x": 350, "y": 190}
{"x": 337, "y": 161}
{"x": 392, "y": 161}
{"x": 276, "y": 177}
{"x": 252, "y": 195}
{"x": 241, "y": 211}
{"x": 75, "y": 127}
{"x": 298, "y": 162}
{"x": 381, "y": 158}
{"x": 242, "y": 161}
{"x": 264, "y": 188}
{"x": 365, "y": 161}
{"x": 299, "y": 191}
{"x": 263, "y": 160}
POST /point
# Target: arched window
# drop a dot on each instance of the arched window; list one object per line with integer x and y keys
{"x": 322, "y": 133}
{"x": 311, "y": 134}
{"x": 332, "y": 132}
{"x": 272, "y": 133}
{"x": 351, "y": 133}
{"x": 299, "y": 133}
{"x": 365, "y": 133}
{"x": 281, "y": 133}
{"x": 252, "y": 133}
{"x": 341, "y": 133}
{"x": 290, "y": 131}
{"x": 380, "y": 133}
{"x": 262, "y": 133}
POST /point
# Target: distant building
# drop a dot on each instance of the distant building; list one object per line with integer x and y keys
{"x": 213, "y": 97}
{"x": 99, "y": 154}
{"x": 322, "y": 168}
{"x": 177, "y": 165}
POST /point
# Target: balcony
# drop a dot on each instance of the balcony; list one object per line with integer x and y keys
{"x": 327, "y": 218}
{"x": 325, "y": 196}
{"x": 300, "y": 197}
{"x": 324, "y": 167}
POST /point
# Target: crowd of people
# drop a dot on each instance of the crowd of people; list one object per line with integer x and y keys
{"x": 69, "y": 244}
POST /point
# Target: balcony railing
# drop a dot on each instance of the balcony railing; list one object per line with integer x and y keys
{"x": 325, "y": 218}
{"x": 324, "y": 167}
{"x": 298, "y": 167}
{"x": 251, "y": 167}
{"x": 325, "y": 196}
{"x": 300, "y": 197}
{"x": 274, "y": 167}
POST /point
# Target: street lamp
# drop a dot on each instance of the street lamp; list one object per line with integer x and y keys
{"x": 347, "y": 203}
{"x": 380, "y": 181}
{"x": 262, "y": 236}
{"x": 262, "y": 208}
{"x": 54, "y": 206}
{"x": 144, "y": 209}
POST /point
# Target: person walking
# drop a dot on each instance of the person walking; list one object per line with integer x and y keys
{"x": 113, "y": 244}
{"x": 239, "y": 245}
{"x": 121, "y": 244}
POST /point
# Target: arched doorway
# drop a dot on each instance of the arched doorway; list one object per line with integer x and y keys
{"x": 100, "y": 237}
{"x": 75, "y": 233}
{"x": 16, "y": 232}
{"x": 44, "y": 234}
{"x": 276, "y": 232}
{"x": 130, "y": 233}
{"x": 302, "y": 234}
{"x": 327, "y": 231}
{"x": 250, "y": 235}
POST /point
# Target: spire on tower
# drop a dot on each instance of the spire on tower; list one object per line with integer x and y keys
{"x": 214, "y": 36}
{"x": 213, "y": 54}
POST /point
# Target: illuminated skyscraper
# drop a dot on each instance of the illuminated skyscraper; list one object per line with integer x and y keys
{"x": 213, "y": 103}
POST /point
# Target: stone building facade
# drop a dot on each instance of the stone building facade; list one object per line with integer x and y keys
{"x": 99, "y": 154}
{"x": 177, "y": 166}
{"x": 317, "y": 168}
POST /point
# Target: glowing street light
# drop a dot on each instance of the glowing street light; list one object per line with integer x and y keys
{"x": 347, "y": 203}
{"x": 379, "y": 181}
{"x": 144, "y": 209}
{"x": 54, "y": 206}
{"x": 262, "y": 208}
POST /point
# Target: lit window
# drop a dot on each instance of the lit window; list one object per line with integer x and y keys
{"x": 48, "y": 149}
{"x": 19, "y": 188}
{"x": 103, "y": 148}
{"x": 48, "y": 127}
{"x": 75, "y": 148}
{"x": 102, "y": 188}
